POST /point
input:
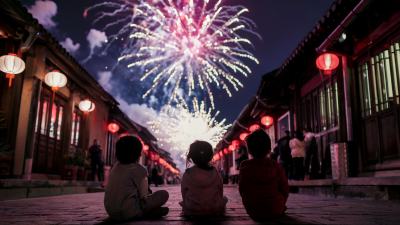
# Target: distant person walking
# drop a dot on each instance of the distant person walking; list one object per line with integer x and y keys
{"x": 284, "y": 155}
{"x": 297, "y": 147}
{"x": 96, "y": 161}
{"x": 311, "y": 161}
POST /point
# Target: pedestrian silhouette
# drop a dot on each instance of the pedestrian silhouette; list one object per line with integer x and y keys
{"x": 284, "y": 156}
{"x": 96, "y": 162}
{"x": 263, "y": 184}
{"x": 127, "y": 194}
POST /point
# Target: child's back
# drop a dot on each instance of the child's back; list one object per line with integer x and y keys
{"x": 127, "y": 193}
{"x": 202, "y": 188}
{"x": 263, "y": 187}
{"x": 202, "y": 192}
{"x": 121, "y": 198}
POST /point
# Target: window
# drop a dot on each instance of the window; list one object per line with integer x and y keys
{"x": 379, "y": 78}
{"x": 76, "y": 126}
{"x": 320, "y": 108}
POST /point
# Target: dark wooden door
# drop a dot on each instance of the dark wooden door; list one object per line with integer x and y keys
{"x": 48, "y": 154}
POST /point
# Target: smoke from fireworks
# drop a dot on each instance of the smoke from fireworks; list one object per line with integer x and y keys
{"x": 192, "y": 45}
{"x": 177, "y": 127}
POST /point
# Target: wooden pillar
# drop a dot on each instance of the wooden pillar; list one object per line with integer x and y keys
{"x": 30, "y": 96}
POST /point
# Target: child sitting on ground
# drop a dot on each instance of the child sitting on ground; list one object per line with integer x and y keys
{"x": 263, "y": 184}
{"x": 202, "y": 188}
{"x": 127, "y": 194}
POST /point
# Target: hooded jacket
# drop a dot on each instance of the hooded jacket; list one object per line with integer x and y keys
{"x": 202, "y": 192}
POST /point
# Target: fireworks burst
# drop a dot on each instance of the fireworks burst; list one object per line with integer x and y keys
{"x": 190, "y": 45}
{"x": 177, "y": 127}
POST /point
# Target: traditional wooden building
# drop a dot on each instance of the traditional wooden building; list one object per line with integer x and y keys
{"x": 40, "y": 127}
{"x": 357, "y": 104}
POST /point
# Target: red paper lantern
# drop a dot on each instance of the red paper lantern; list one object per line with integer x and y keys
{"x": 221, "y": 154}
{"x": 145, "y": 147}
{"x": 113, "y": 128}
{"x": 267, "y": 121}
{"x": 254, "y": 127}
{"x": 327, "y": 62}
{"x": 243, "y": 136}
{"x": 232, "y": 147}
{"x": 226, "y": 151}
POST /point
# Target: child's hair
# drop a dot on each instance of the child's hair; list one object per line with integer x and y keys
{"x": 258, "y": 144}
{"x": 200, "y": 153}
{"x": 128, "y": 149}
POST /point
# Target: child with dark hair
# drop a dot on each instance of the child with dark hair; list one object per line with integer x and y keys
{"x": 263, "y": 184}
{"x": 127, "y": 194}
{"x": 202, "y": 188}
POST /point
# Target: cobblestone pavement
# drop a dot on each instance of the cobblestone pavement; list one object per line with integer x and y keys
{"x": 302, "y": 209}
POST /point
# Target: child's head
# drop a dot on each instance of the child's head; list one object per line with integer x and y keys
{"x": 200, "y": 153}
{"x": 258, "y": 144}
{"x": 128, "y": 149}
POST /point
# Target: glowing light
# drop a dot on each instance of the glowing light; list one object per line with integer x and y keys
{"x": 254, "y": 127}
{"x": 55, "y": 80}
{"x": 113, "y": 128}
{"x": 267, "y": 121}
{"x": 189, "y": 45}
{"x": 327, "y": 62}
{"x": 177, "y": 127}
{"x": 243, "y": 136}
{"x": 86, "y": 106}
{"x": 11, "y": 64}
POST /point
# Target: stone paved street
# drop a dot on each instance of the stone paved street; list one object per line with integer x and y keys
{"x": 302, "y": 209}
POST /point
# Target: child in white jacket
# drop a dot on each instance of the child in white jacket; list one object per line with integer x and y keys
{"x": 202, "y": 187}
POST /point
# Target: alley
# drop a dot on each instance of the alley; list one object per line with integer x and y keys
{"x": 302, "y": 209}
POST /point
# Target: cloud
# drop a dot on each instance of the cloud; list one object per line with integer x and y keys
{"x": 141, "y": 114}
{"x": 96, "y": 39}
{"x": 68, "y": 44}
{"x": 104, "y": 80}
{"x": 44, "y": 11}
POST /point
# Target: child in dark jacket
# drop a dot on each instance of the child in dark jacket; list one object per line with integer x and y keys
{"x": 263, "y": 184}
{"x": 127, "y": 194}
{"x": 202, "y": 188}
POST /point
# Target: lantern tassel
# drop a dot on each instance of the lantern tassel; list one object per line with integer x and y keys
{"x": 10, "y": 78}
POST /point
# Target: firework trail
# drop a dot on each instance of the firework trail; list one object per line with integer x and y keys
{"x": 193, "y": 46}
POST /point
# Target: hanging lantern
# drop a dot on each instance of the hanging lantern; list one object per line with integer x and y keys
{"x": 221, "y": 154}
{"x": 86, "y": 106}
{"x": 254, "y": 127}
{"x": 226, "y": 151}
{"x": 55, "y": 80}
{"x": 236, "y": 143}
{"x": 145, "y": 148}
{"x": 231, "y": 147}
{"x": 113, "y": 128}
{"x": 243, "y": 136}
{"x": 267, "y": 121}
{"x": 11, "y": 64}
{"x": 327, "y": 62}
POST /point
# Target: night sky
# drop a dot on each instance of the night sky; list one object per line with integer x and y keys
{"x": 282, "y": 25}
